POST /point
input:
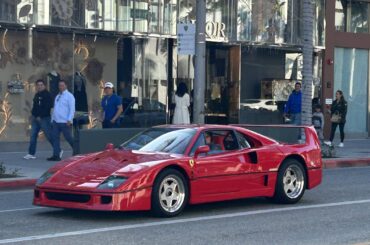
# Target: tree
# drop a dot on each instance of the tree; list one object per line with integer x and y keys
{"x": 308, "y": 21}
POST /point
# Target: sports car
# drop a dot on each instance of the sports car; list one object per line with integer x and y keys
{"x": 166, "y": 168}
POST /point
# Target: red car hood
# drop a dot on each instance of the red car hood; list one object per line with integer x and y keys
{"x": 86, "y": 172}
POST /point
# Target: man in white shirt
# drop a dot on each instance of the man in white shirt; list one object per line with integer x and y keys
{"x": 62, "y": 118}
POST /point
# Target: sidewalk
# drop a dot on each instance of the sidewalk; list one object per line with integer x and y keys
{"x": 355, "y": 153}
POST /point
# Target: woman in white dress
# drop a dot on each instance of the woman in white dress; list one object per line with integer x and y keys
{"x": 182, "y": 101}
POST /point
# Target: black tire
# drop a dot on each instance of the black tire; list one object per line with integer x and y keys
{"x": 291, "y": 191}
{"x": 160, "y": 208}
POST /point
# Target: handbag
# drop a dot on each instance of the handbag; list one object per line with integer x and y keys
{"x": 336, "y": 118}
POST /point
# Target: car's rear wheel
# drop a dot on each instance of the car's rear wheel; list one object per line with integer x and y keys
{"x": 170, "y": 193}
{"x": 291, "y": 182}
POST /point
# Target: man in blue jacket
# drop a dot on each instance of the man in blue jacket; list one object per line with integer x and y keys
{"x": 294, "y": 105}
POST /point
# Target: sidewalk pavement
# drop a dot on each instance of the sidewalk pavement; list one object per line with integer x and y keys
{"x": 355, "y": 153}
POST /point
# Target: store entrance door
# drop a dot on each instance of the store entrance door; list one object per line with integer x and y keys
{"x": 222, "y": 83}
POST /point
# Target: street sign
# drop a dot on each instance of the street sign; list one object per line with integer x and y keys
{"x": 186, "y": 39}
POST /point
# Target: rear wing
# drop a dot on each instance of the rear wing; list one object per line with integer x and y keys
{"x": 287, "y": 134}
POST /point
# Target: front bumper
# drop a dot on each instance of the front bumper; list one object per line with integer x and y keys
{"x": 124, "y": 201}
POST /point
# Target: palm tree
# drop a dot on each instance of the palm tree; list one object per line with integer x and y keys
{"x": 308, "y": 20}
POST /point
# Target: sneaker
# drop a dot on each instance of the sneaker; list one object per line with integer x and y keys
{"x": 328, "y": 143}
{"x": 29, "y": 156}
{"x": 54, "y": 158}
{"x": 341, "y": 145}
{"x": 61, "y": 153}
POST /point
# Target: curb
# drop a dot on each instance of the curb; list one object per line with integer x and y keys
{"x": 17, "y": 183}
{"x": 345, "y": 163}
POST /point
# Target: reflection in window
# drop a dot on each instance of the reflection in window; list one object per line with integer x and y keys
{"x": 94, "y": 14}
{"x": 66, "y": 13}
{"x": 265, "y": 21}
{"x": 359, "y": 17}
{"x": 352, "y": 16}
{"x": 170, "y": 14}
{"x": 140, "y": 15}
{"x": 125, "y": 18}
{"x": 319, "y": 23}
{"x": 154, "y": 16}
{"x": 16, "y": 11}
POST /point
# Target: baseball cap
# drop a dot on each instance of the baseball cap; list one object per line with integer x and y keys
{"x": 108, "y": 85}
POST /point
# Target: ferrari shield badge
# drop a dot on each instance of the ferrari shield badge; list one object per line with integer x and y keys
{"x": 191, "y": 163}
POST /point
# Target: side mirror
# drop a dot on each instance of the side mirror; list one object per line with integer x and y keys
{"x": 109, "y": 146}
{"x": 201, "y": 149}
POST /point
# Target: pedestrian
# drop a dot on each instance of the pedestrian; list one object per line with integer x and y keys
{"x": 112, "y": 107}
{"x": 40, "y": 119}
{"x": 318, "y": 121}
{"x": 182, "y": 103}
{"x": 293, "y": 106}
{"x": 62, "y": 119}
{"x": 338, "y": 112}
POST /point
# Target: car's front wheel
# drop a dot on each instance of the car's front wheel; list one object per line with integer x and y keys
{"x": 170, "y": 193}
{"x": 291, "y": 182}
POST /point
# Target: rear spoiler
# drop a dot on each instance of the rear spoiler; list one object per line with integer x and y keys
{"x": 290, "y": 134}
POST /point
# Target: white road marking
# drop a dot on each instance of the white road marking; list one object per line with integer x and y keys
{"x": 179, "y": 221}
{"x": 15, "y": 192}
{"x": 18, "y": 209}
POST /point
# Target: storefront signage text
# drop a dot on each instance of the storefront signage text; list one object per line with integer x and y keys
{"x": 215, "y": 30}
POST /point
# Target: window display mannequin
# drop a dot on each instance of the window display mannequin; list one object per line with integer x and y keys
{"x": 80, "y": 92}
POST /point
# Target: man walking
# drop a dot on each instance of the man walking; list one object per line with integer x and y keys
{"x": 42, "y": 104}
{"x": 112, "y": 107}
{"x": 293, "y": 106}
{"x": 62, "y": 118}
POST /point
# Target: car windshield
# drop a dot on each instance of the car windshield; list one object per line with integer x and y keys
{"x": 161, "y": 140}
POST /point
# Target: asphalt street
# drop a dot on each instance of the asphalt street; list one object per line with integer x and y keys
{"x": 337, "y": 212}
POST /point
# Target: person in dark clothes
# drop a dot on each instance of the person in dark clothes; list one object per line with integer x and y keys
{"x": 80, "y": 92}
{"x": 338, "y": 112}
{"x": 42, "y": 104}
{"x": 112, "y": 107}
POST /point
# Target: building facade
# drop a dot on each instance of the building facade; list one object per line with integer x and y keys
{"x": 253, "y": 56}
{"x": 347, "y": 64}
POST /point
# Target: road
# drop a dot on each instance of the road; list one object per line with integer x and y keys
{"x": 338, "y": 212}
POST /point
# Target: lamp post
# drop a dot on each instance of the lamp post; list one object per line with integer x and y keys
{"x": 200, "y": 62}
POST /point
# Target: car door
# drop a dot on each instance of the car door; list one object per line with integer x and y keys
{"x": 221, "y": 172}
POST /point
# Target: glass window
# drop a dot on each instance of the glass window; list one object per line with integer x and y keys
{"x": 155, "y": 12}
{"x": 142, "y": 139}
{"x": 172, "y": 142}
{"x": 272, "y": 21}
{"x": 17, "y": 11}
{"x": 351, "y": 76}
{"x": 170, "y": 15}
{"x": 125, "y": 17}
{"x": 243, "y": 142}
{"x": 94, "y": 14}
{"x": 352, "y": 16}
{"x": 359, "y": 17}
{"x": 319, "y": 23}
{"x": 140, "y": 15}
{"x": 62, "y": 13}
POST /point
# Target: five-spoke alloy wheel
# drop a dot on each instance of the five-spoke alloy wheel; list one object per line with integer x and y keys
{"x": 291, "y": 182}
{"x": 170, "y": 193}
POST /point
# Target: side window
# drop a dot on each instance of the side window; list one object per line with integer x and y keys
{"x": 231, "y": 141}
{"x": 243, "y": 142}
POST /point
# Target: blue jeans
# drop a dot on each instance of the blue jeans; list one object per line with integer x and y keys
{"x": 37, "y": 125}
{"x": 58, "y": 128}
{"x": 296, "y": 118}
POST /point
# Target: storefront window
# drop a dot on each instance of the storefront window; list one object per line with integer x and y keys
{"x": 352, "y": 16}
{"x": 16, "y": 11}
{"x": 140, "y": 15}
{"x": 351, "y": 76}
{"x": 273, "y": 21}
{"x": 148, "y": 104}
{"x": 319, "y": 23}
{"x": 125, "y": 18}
{"x": 169, "y": 19}
{"x": 67, "y": 13}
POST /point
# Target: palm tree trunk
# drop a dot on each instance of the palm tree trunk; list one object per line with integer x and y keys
{"x": 308, "y": 19}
